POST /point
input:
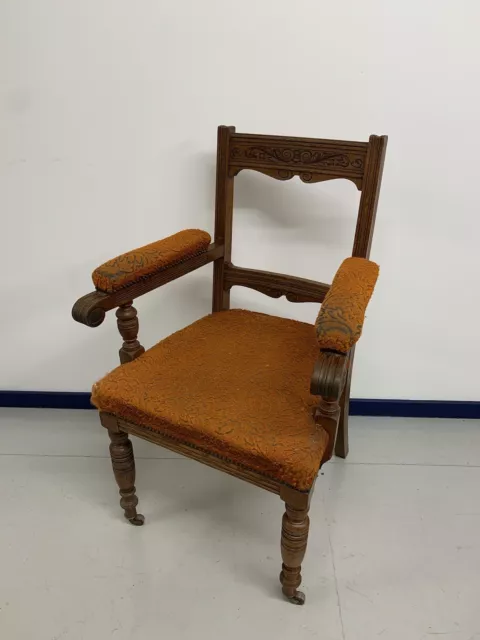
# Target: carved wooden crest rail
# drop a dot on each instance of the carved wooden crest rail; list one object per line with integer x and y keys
{"x": 311, "y": 160}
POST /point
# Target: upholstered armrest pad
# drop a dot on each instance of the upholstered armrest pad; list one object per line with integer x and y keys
{"x": 340, "y": 321}
{"x": 143, "y": 262}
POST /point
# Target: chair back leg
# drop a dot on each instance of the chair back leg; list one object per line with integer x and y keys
{"x": 341, "y": 444}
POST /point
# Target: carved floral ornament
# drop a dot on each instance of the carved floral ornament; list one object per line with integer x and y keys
{"x": 283, "y": 163}
{"x": 300, "y": 156}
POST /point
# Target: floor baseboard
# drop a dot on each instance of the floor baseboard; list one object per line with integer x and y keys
{"x": 415, "y": 408}
{"x": 358, "y": 406}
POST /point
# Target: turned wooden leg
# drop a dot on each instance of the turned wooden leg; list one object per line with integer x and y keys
{"x": 123, "y": 463}
{"x": 121, "y": 449}
{"x": 295, "y": 526}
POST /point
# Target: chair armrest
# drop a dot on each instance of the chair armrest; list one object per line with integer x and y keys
{"x": 141, "y": 263}
{"x": 340, "y": 321}
{"x": 91, "y": 308}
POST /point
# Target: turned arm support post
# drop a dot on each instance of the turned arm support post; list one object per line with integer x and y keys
{"x": 127, "y": 323}
{"x": 328, "y": 381}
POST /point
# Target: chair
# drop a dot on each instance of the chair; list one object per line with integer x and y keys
{"x": 257, "y": 396}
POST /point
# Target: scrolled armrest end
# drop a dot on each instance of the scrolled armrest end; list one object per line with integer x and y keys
{"x": 88, "y": 309}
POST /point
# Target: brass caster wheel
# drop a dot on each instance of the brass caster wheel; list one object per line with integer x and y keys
{"x": 297, "y": 598}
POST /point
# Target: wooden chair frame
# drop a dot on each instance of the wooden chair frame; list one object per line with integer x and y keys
{"x": 282, "y": 158}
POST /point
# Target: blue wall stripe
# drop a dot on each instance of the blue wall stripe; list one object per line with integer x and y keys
{"x": 358, "y": 407}
{"x": 46, "y": 399}
{"x": 415, "y": 408}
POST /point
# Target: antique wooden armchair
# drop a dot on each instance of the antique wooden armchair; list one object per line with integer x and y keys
{"x": 257, "y": 396}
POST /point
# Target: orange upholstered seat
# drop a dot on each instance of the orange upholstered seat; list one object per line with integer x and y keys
{"x": 234, "y": 384}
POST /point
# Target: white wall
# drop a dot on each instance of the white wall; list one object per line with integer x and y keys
{"x": 109, "y": 111}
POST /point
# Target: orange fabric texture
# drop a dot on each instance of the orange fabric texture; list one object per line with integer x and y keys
{"x": 234, "y": 384}
{"x": 340, "y": 321}
{"x": 145, "y": 261}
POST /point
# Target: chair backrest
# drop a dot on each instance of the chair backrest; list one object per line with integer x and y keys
{"x": 281, "y": 157}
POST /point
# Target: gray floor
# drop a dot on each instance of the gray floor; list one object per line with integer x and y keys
{"x": 394, "y": 547}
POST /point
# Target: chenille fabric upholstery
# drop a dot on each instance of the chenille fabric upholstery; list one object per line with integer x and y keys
{"x": 234, "y": 384}
{"x": 340, "y": 321}
{"x": 145, "y": 261}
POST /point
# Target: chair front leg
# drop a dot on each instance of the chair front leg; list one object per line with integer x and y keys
{"x": 121, "y": 448}
{"x": 295, "y": 525}
{"x": 123, "y": 463}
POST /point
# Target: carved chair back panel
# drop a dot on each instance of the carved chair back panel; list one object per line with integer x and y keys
{"x": 310, "y": 159}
